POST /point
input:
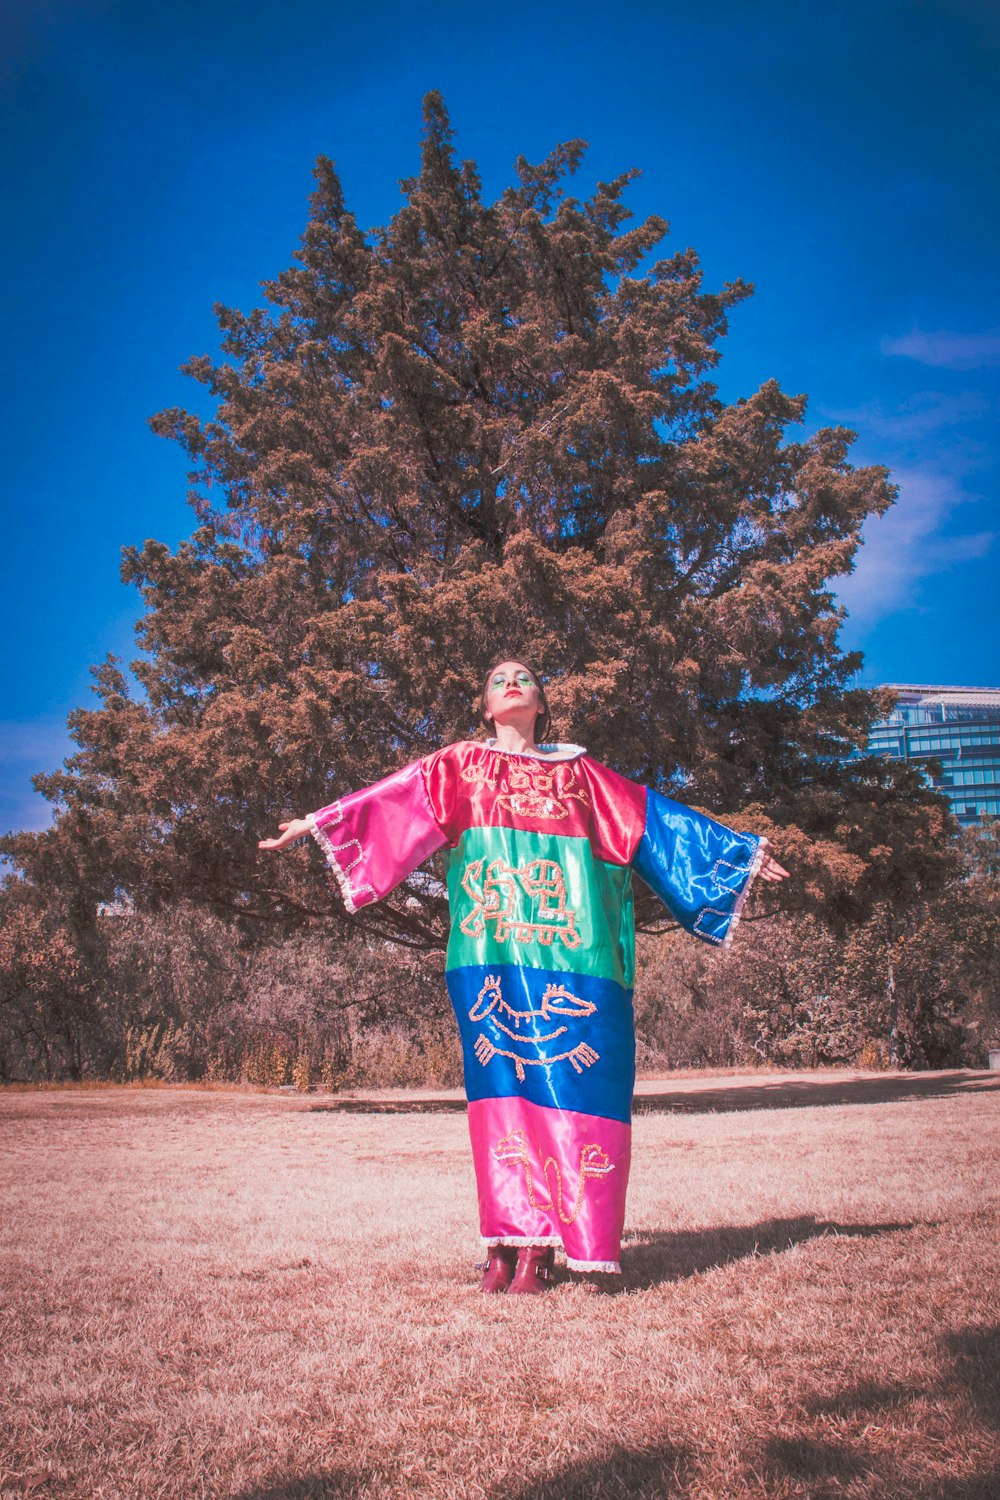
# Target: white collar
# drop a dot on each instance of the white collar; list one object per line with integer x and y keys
{"x": 541, "y": 752}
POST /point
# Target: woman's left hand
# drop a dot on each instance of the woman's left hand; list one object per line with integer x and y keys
{"x": 289, "y": 832}
{"x": 771, "y": 870}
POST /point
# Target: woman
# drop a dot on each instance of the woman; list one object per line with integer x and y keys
{"x": 542, "y": 842}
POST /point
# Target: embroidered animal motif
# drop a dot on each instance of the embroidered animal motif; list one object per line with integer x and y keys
{"x": 594, "y": 1162}
{"x": 557, "y": 1000}
{"x": 497, "y": 891}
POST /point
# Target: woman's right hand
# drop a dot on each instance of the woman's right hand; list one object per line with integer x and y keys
{"x": 296, "y": 829}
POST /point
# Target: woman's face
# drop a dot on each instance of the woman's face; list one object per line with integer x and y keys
{"x": 511, "y": 694}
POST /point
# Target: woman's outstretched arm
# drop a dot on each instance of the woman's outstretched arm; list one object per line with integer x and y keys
{"x": 374, "y": 838}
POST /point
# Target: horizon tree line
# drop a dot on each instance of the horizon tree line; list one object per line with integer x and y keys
{"x": 482, "y": 428}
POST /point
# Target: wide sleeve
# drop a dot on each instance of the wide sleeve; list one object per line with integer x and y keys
{"x": 701, "y": 870}
{"x": 374, "y": 838}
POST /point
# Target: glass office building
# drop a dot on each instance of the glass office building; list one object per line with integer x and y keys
{"x": 960, "y": 728}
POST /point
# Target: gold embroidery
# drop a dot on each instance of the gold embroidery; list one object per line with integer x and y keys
{"x": 531, "y": 804}
{"x": 581, "y": 1056}
{"x": 496, "y": 890}
{"x": 594, "y": 1162}
{"x": 529, "y": 790}
{"x": 549, "y": 1036}
{"x": 557, "y": 1000}
{"x": 342, "y": 872}
{"x": 483, "y": 774}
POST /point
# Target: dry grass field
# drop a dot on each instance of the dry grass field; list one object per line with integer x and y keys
{"x": 271, "y": 1297}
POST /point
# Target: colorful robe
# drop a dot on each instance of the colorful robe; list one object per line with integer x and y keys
{"x": 541, "y": 852}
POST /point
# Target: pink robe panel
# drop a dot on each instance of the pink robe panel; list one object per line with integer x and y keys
{"x": 551, "y": 1177}
{"x": 374, "y": 838}
{"x": 471, "y": 785}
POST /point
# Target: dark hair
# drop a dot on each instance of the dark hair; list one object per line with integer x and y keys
{"x": 543, "y": 720}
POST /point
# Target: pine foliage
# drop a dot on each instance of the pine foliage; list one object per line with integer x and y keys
{"x": 486, "y": 428}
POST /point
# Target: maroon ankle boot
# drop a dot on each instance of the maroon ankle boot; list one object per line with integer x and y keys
{"x": 534, "y": 1270}
{"x": 498, "y": 1268}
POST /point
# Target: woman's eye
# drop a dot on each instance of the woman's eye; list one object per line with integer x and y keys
{"x": 524, "y": 679}
{"x": 497, "y": 682}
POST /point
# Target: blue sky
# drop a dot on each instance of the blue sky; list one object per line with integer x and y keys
{"x": 156, "y": 157}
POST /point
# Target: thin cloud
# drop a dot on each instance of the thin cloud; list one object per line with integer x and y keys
{"x": 24, "y": 814}
{"x": 922, "y": 416}
{"x": 949, "y": 351}
{"x": 26, "y": 747}
{"x": 41, "y": 743}
{"x": 907, "y": 545}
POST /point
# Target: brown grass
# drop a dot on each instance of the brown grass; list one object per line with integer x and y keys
{"x": 262, "y": 1297}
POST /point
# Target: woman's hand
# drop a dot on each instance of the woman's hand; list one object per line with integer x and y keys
{"x": 296, "y": 829}
{"x": 771, "y": 870}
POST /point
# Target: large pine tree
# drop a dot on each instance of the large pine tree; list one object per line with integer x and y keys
{"x": 481, "y": 430}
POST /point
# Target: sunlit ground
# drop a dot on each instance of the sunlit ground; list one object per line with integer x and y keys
{"x": 247, "y": 1295}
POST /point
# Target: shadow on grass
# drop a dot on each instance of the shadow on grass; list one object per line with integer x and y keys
{"x": 813, "y": 1464}
{"x": 654, "y": 1473}
{"x": 429, "y": 1106}
{"x": 975, "y": 1369}
{"x": 802, "y": 1093}
{"x": 723, "y": 1098}
{"x": 968, "y": 1389}
{"x": 807, "y": 1462}
{"x": 330, "y": 1484}
{"x": 653, "y": 1258}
